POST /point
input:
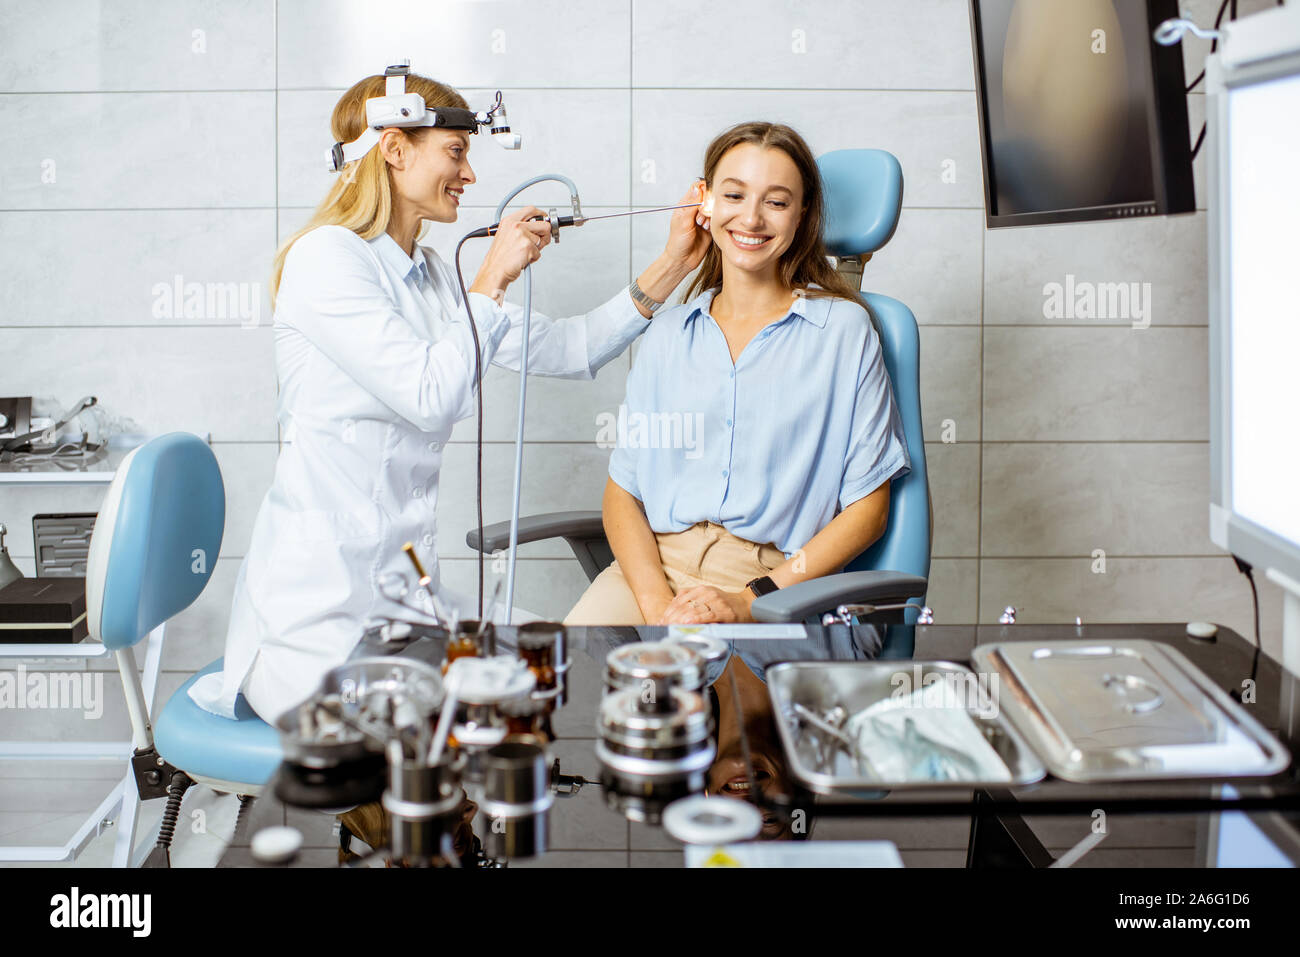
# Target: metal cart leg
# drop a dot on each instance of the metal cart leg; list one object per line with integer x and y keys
{"x": 1001, "y": 841}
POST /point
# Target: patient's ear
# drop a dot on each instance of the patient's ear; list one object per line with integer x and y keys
{"x": 707, "y": 208}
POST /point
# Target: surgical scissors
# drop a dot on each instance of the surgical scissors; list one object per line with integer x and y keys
{"x": 828, "y": 727}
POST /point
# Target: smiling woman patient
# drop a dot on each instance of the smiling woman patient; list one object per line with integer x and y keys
{"x": 777, "y": 366}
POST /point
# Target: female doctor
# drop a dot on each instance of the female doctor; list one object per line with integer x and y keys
{"x": 376, "y": 363}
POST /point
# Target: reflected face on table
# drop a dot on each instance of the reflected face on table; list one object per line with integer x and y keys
{"x": 727, "y": 777}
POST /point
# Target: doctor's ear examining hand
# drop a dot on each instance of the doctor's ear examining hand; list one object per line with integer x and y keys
{"x": 687, "y": 243}
{"x": 663, "y": 452}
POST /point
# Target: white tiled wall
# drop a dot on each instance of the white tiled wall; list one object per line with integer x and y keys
{"x": 148, "y": 140}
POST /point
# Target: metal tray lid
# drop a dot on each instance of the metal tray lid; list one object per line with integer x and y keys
{"x": 1130, "y": 710}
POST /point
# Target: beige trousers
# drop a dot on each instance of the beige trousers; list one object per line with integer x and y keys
{"x": 704, "y": 554}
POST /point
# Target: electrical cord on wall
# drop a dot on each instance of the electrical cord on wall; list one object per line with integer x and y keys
{"x": 1214, "y": 45}
{"x": 1245, "y": 568}
{"x": 1231, "y": 7}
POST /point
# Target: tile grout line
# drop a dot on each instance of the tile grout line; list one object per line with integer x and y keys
{"x": 275, "y": 240}
{"x": 979, "y": 493}
{"x": 631, "y": 164}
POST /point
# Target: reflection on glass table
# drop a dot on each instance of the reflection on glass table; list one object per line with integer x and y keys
{"x": 749, "y": 762}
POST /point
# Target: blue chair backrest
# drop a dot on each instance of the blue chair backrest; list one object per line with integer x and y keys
{"x": 156, "y": 539}
{"x": 864, "y": 198}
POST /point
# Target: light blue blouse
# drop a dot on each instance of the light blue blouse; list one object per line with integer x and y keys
{"x": 772, "y": 447}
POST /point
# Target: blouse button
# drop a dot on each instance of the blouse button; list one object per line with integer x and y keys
{"x": 428, "y": 540}
{"x": 435, "y": 446}
{"x": 417, "y": 492}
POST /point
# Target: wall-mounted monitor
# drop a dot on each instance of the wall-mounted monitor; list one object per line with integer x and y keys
{"x": 1082, "y": 115}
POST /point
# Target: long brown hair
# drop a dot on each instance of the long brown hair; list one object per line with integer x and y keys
{"x": 361, "y": 198}
{"x": 805, "y": 261}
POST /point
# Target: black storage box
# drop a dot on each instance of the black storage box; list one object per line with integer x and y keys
{"x": 44, "y": 611}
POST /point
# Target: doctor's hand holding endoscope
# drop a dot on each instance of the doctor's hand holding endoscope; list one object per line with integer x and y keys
{"x": 378, "y": 355}
{"x": 518, "y": 243}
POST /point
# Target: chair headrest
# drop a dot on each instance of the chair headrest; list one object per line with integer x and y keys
{"x": 864, "y": 196}
{"x": 156, "y": 539}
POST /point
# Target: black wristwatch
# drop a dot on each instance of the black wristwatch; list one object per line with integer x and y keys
{"x": 762, "y": 586}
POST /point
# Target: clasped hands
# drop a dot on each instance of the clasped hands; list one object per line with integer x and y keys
{"x": 701, "y": 604}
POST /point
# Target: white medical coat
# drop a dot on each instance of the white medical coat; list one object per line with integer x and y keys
{"x": 375, "y": 362}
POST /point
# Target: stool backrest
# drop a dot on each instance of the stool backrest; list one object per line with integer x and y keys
{"x": 156, "y": 539}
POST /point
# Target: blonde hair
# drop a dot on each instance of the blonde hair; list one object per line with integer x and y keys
{"x": 361, "y": 198}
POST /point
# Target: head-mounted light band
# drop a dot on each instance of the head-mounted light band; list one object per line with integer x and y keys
{"x": 403, "y": 110}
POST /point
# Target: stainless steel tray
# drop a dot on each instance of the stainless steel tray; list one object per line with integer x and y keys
{"x": 824, "y": 685}
{"x": 1125, "y": 711}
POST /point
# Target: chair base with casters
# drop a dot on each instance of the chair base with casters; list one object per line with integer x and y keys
{"x": 864, "y": 195}
{"x": 152, "y": 552}
{"x": 183, "y": 738}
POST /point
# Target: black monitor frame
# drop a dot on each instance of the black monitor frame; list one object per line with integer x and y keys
{"x": 1171, "y": 160}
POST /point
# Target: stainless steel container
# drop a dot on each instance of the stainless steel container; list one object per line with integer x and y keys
{"x": 637, "y": 664}
{"x": 482, "y": 685}
{"x": 384, "y": 693}
{"x": 333, "y": 743}
{"x": 326, "y": 763}
{"x": 315, "y": 735}
{"x": 423, "y": 802}
{"x": 699, "y": 641}
{"x": 655, "y": 746}
{"x": 516, "y": 799}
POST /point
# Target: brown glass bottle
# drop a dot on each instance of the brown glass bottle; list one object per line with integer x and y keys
{"x": 539, "y": 652}
{"x": 460, "y": 645}
{"x": 526, "y": 717}
{"x": 537, "y": 649}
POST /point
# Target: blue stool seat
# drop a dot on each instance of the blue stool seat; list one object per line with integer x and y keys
{"x": 203, "y": 744}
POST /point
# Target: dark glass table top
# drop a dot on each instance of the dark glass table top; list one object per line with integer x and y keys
{"x": 586, "y": 830}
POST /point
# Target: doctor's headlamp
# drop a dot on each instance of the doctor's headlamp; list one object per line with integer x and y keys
{"x": 397, "y": 108}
